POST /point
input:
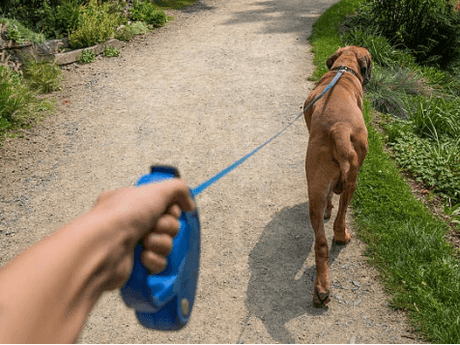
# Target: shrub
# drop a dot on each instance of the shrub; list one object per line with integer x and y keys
{"x": 32, "y": 13}
{"x": 138, "y": 28}
{"x": 429, "y": 28}
{"x": 96, "y": 25}
{"x": 144, "y": 11}
{"x": 20, "y": 32}
{"x": 43, "y": 76}
{"x": 58, "y": 21}
{"x": 124, "y": 34}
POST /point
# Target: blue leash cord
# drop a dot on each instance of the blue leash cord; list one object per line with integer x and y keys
{"x": 197, "y": 190}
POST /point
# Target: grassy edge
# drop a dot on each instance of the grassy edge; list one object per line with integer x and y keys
{"x": 405, "y": 242}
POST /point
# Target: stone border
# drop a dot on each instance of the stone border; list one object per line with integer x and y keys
{"x": 52, "y": 50}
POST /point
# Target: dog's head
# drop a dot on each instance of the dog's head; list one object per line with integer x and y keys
{"x": 353, "y": 57}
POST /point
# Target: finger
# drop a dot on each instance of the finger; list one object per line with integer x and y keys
{"x": 158, "y": 243}
{"x": 175, "y": 191}
{"x": 174, "y": 210}
{"x": 167, "y": 224}
{"x": 154, "y": 262}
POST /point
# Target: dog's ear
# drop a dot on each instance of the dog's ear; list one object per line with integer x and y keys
{"x": 333, "y": 57}
{"x": 365, "y": 63}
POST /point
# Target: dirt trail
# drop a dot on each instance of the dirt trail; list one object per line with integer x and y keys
{"x": 199, "y": 94}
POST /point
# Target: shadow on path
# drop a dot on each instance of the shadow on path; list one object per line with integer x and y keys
{"x": 274, "y": 295}
{"x": 197, "y": 7}
{"x": 283, "y": 16}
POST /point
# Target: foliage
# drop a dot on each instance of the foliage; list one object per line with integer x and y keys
{"x": 87, "y": 56}
{"x": 427, "y": 144}
{"x": 138, "y": 28}
{"x": 124, "y": 34}
{"x": 144, "y": 11}
{"x": 383, "y": 53}
{"x": 97, "y": 24}
{"x": 13, "y": 34}
{"x": 408, "y": 245}
{"x": 429, "y": 28}
{"x": 111, "y": 52}
{"x": 21, "y": 32}
{"x": 173, "y": 4}
{"x": 31, "y": 12}
{"x": 43, "y": 76}
{"x": 392, "y": 90}
{"x": 59, "y": 21}
{"x": 19, "y": 105}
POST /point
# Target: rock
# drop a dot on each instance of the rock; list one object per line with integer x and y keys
{"x": 357, "y": 302}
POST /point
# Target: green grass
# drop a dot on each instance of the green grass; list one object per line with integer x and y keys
{"x": 45, "y": 77}
{"x": 405, "y": 241}
{"x": 173, "y": 4}
{"x": 19, "y": 105}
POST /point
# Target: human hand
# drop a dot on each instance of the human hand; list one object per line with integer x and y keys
{"x": 149, "y": 213}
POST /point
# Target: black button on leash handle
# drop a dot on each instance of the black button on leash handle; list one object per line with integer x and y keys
{"x": 164, "y": 301}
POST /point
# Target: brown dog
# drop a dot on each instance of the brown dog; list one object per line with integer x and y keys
{"x": 336, "y": 150}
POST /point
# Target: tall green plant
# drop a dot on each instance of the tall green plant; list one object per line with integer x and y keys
{"x": 18, "y": 103}
{"x": 97, "y": 24}
{"x": 58, "y": 21}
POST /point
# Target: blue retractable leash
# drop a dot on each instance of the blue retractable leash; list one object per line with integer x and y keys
{"x": 164, "y": 301}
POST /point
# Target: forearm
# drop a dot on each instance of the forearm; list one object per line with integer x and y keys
{"x": 67, "y": 272}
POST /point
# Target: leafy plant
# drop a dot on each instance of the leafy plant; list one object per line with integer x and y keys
{"x": 145, "y": 11}
{"x": 43, "y": 76}
{"x": 96, "y": 25}
{"x": 138, "y": 28}
{"x": 59, "y": 21}
{"x": 111, "y": 52}
{"x": 24, "y": 32}
{"x": 87, "y": 56}
{"x": 124, "y": 34}
{"x": 13, "y": 34}
{"x": 436, "y": 164}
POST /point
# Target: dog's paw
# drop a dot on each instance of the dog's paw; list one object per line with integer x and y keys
{"x": 320, "y": 299}
{"x": 342, "y": 238}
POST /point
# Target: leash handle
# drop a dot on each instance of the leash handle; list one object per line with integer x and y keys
{"x": 164, "y": 301}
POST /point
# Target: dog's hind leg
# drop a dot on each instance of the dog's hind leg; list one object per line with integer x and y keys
{"x": 327, "y": 214}
{"x": 345, "y": 154}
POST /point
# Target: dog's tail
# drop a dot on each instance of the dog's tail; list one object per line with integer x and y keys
{"x": 345, "y": 154}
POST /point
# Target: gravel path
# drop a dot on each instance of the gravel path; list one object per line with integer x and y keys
{"x": 198, "y": 94}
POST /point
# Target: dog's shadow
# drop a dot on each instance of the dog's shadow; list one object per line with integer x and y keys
{"x": 275, "y": 292}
